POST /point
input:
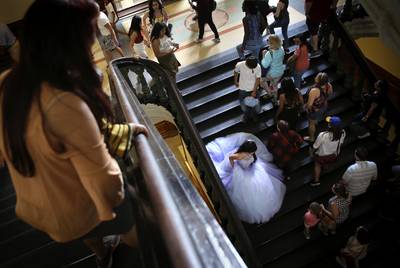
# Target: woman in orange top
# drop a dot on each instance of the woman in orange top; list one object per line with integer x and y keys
{"x": 51, "y": 110}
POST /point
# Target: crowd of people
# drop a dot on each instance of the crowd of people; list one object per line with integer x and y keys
{"x": 57, "y": 122}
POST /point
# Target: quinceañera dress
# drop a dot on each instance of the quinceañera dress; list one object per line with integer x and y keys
{"x": 255, "y": 188}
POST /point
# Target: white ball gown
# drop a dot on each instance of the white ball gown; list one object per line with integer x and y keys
{"x": 255, "y": 188}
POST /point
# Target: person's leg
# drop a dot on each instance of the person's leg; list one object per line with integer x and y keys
{"x": 297, "y": 75}
{"x": 311, "y": 129}
{"x": 284, "y": 27}
{"x": 240, "y": 50}
{"x": 213, "y": 27}
{"x": 201, "y": 22}
{"x": 272, "y": 26}
{"x": 317, "y": 171}
{"x": 323, "y": 228}
{"x": 306, "y": 232}
{"x": 314, "y": 42}
{"x": 119, "y": 50}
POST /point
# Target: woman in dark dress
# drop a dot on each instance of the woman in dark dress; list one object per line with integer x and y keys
{"x": 290, "y": 103}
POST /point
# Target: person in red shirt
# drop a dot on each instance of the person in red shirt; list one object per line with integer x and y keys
{"x": 317, "y": 11}
{"x": 299, "y": 59}
{"x": 284, "y": 143}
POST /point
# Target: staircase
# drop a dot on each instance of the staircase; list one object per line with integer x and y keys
{"x": 212, "y": 100}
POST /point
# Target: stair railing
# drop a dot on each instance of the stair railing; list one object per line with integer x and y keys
{"x": 163, "y": 91}
{"x": 192, "y": 236}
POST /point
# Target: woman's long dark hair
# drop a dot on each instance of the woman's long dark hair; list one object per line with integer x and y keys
{"x": 336, "y": 132}
{"x": 290, "y": 91}
{"x": 151, "y": 10}
{"x": 248, "y": 146}
{"x": 56, "y": 41}
{"x": 157, "y": 28}
{"x": 340, "y": 190}
{"x": 136, "y": 25}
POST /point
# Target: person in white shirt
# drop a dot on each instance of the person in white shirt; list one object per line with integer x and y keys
{"x": 107, "y": 39}
{"x": 247, "y": 75}
{"x": 327, "y": 146}
{"x": 358, "y": 176}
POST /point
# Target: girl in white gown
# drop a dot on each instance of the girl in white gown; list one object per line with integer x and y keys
{"x": 252, "y": 182}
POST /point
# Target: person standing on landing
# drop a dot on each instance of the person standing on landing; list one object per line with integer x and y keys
{"x": 108, "y": 39}
{"x": 204, "y": 15}
{"x": 252, "y": 38}
{"x": 282, "y": 20}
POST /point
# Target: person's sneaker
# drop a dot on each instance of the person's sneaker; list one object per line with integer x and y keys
{"x": 341, "y": 262}
{"x": 363, "y": 136}
{"x": 308, "y": 139}
{"x": 315, "y": 53}
{"x": 307, "y": 235}
{"x": 198, "y": 40}
{"x": 217, "y": 40}
{"x": 315, "y": 183}
{"x": 110, "y": 242}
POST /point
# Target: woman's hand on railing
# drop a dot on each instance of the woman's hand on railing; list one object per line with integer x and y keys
{"x": 139, "y": 129}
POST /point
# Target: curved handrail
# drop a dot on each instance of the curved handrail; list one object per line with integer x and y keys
{"x": 192, "y": 235}
{"x": 234, "y": 227}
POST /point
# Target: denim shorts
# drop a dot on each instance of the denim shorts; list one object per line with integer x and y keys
{"x": 316, "y": 115}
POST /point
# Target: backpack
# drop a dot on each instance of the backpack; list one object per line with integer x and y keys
{"x": 320, "y": 101}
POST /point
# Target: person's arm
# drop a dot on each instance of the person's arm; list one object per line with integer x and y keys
{"x": 236, "y": 78}
{"x": 144, "y": 25}
{"x": 370, "y": 111}
{"x": 318, "y": 141}
{"x": 113, "y": 35}
{"x": 346, "y": 176}
{"x": 69, "y": 119}
{"x": 267, "y": 59}
{"x": 246, "y": 31}
{"x": 165, "y": 15}
{"x": 132, "y": 39}
{"x": 257, "y": 82}
{"x": 307, "y": 7}
{"x": 282, "y": 100}
{"x": 232, "y": 158}
{"x": 311, "y": 98}
{"x": 256, "y": 85}
{"x": 332, "y": 212}
{"x": 279, "y": 8}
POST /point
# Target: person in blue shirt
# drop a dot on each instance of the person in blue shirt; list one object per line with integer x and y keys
{"x": 273, "y": 62}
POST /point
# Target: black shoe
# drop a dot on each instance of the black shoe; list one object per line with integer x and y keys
{"x": 315, "y": 183}
{"x": 195, "y": 17}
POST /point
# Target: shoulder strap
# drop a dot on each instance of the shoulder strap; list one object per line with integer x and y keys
{"x": 338, "y": 146}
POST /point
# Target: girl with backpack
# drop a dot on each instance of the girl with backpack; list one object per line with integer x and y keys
{"x": 317, "y": 103}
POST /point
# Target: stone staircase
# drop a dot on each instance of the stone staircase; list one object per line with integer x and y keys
{"x": 212, "y": 100}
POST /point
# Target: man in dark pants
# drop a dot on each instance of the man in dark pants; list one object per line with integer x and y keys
{"x": 204, "y": 13}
